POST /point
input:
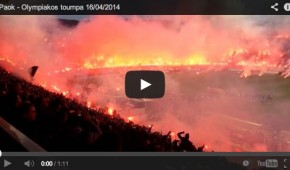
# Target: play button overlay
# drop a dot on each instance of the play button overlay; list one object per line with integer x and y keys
{"x": 144, "y": 84}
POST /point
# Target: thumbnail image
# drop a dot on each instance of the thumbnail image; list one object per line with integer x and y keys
{"x": 227, "y": 83}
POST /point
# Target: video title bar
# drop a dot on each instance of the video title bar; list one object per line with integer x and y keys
{"x": 144, "y": 7}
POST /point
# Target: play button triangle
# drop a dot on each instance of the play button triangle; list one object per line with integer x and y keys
{"x": 144, "y": 84}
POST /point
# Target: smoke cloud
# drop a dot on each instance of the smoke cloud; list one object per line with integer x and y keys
{"x": 198, "y": 101}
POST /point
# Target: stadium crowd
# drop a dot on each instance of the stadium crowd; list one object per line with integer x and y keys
{"x": 60, "y": 124}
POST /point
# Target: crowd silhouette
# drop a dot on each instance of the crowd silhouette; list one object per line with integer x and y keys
{"x": 57, "y": 123}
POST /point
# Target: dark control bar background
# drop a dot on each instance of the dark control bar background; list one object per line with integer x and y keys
{"x": 145, "y": 163}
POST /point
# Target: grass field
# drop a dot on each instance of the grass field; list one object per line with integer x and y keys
{"x": 274, "y": 85}
{"x": 276, "y": 112}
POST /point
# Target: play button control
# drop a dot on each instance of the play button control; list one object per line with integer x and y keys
{"x": 145, "y": 84}
{"x": 6, "y": 163}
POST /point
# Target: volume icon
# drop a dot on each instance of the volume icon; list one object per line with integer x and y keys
{"x": 29, "y": 163}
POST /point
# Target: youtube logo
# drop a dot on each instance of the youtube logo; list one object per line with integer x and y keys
{"x": 144, "y": 84}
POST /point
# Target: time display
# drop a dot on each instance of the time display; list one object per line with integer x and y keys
{"x": 54, "y": 163}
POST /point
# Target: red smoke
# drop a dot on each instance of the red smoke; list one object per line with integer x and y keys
{"x": 241, "y": 42}
{"x": 107, "y": 41}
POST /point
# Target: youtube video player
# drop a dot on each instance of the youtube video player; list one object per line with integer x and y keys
{"x": 147, "y": 84}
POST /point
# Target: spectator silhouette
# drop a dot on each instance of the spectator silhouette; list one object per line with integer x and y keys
{"x": 61, "y": 124}
{"x": 185, "y": 143}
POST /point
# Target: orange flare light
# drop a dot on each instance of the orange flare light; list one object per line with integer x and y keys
{"x": 89, "y": 104}
{"x": 131, "y": 118}
{"x": 110, "y": 111}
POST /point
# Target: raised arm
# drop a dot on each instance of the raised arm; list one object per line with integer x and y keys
{"x": 179, "y": 134}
